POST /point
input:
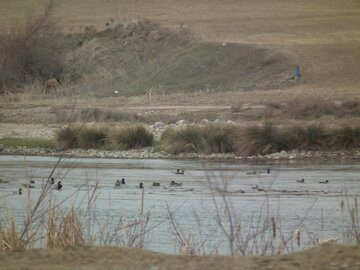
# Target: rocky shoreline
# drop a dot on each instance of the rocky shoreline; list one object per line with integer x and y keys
{"x": 149, "y": 153}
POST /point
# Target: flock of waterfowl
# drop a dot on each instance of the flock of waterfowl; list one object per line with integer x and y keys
{"x": 268, "y": 171}
{"x": 119, "y": 183}
{"x": 31, "y": 184}
{"x": 320, "y": 182}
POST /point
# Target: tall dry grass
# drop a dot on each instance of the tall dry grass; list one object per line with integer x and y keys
{"x": 187, "y": 139}
{"x": 130, "y": 137}
{"x": 10, "y": 237}
{"x": 311, "y": 108}
{"x": 262, "y": 235}
{"x": 64, "y": 229}
{"x": 52, "y": 225}
{"x": 269, "y": 138}
{"x": 30, "y": 52}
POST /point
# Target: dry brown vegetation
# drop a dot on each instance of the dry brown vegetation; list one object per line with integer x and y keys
{"x": 321, "y": 36}
{"x": 80, "y": 257}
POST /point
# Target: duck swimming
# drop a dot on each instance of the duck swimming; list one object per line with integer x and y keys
{"x": 19, "y": 192}
{"x": 173, "y": 183}
{"x": 59, "y": 186}
{"x": 324, "y": 182}
{"x": 117, "y": 183}
{"x": 178, "y": 171}
{"x": 30, "y": 185}
{"x": 301, "y": 181}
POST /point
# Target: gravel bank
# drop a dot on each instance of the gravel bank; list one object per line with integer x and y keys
{"x": 149, "y": 153}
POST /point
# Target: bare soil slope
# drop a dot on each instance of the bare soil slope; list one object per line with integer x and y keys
{"x": 91, "y": 258}
{"x": 137, "y": 57}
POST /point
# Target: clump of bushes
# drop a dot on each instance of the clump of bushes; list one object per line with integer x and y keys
{"x": 67, "y": 138}
{"x": 31, "y": 52}
{"x": 252, "y": 140}
{"x": 184, "y": 140}
{"x": 346, "y": 137}
{"x": 129, "y": 137}
{"x": 81, "y": 137}
{"x": 91, "y": 137}
{"x": 195, "y": 139}
{"x": 268, "y": 138}
{"x": 124, "y": 138}
{"x": 261, "y": 140}
{"x": 219, "y": 139}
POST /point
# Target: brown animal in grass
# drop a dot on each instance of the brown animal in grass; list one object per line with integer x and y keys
{"x": 51, "y": 84}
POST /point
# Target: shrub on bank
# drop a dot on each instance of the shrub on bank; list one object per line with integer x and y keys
{"x": 219, "y": 139}
{"x": 67, "y": 138}
{"x": 213, "y": 139}
{"x": 346, "y": 137}
{"x": 261, "y": 140}
{"x": 313, "y": 137}
{"x": 130, "y": 137}
{"x": 183, "y": 140}
{"x": 269, "y": 139}
{"x": 91, "y": 137}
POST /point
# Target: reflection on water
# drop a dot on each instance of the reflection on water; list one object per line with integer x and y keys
{"x": 253, "y": 192}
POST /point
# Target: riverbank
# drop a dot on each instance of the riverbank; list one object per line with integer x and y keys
{"x": 80, "y": 257}
{"x": 149, "y": 153}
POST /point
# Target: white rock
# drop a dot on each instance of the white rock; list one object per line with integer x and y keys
{"x": 205, "y": 122}
{"x": 158, "y": 125}
{"x": 181, "y": 122}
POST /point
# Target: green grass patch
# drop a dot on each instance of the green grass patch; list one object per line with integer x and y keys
{"x": 28, "y": 142}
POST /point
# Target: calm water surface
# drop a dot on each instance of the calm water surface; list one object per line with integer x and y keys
{"x": 312, "y": 206}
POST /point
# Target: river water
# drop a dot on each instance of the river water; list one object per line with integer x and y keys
{"x": 251, "y": 194}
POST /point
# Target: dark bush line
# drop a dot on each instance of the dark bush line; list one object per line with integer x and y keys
{"x": 253, "y": 140}
{"x": 127, "y": 137}
{"x": 269, "y": 139}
